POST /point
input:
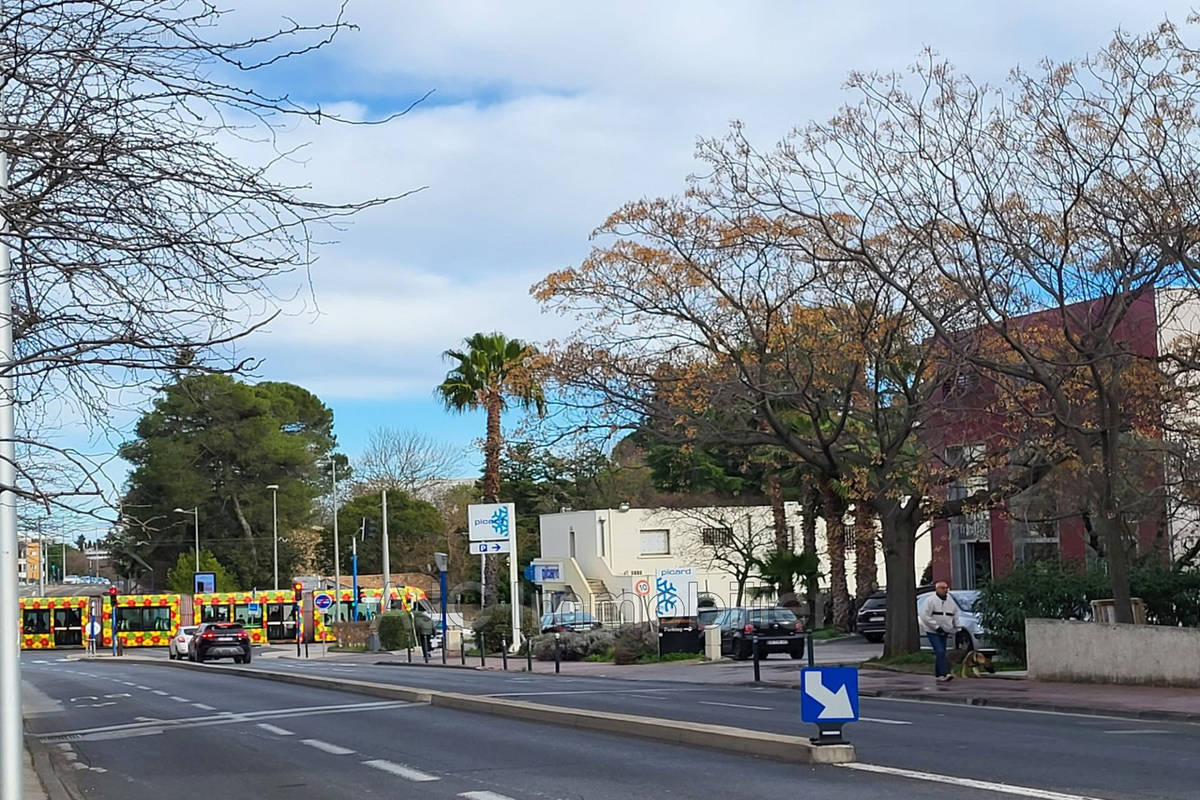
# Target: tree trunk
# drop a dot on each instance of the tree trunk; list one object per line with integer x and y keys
{"x": 899, "y": 525}
{"x": 1113, "y": 535}
{"x": 866, "y": 573}
{"x": 244, "y": 524}
{"x": 808, "y": 531}
{"x": 835, "y": 543}
{"x": 491, "y": 490}
{"x": 787, "y": 588}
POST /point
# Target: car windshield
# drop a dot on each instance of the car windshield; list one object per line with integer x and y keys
{"x": 772, "y": 615}
{"x": 965, "y": 600}
{"x": 188, "y": 631}
{"x": 873, "y": 603}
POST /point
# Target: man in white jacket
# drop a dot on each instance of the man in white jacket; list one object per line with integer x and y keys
{"x": 939, "y": 621}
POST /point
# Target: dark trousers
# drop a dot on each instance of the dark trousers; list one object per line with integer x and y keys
{"x": 941, "y": 665}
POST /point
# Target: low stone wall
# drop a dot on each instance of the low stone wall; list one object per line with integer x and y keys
{"x": 1061, "y": 650}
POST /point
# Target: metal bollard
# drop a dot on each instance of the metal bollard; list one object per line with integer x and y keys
{"x": 482, "y": 651}
{"x": 409, "y": 648}
{"x": 462, "y": 650}
{"x": 444, "y": 638}
{"x": 557, "y": 653}
{"x": 754, "y": 647}
{"x": 504, "y": 653}
{"x": 812, "y": 658}
{"x": 529, "y": 655}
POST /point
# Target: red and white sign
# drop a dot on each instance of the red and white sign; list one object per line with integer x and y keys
{"x": 641, "y": 587}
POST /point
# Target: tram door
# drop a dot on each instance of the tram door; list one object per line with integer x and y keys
{"x": 281, "y": 622}
{"x": 68, "y": 627}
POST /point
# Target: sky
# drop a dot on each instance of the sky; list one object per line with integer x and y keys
{"x": 543, "y": 119}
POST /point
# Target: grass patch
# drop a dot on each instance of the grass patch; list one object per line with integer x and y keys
{"x": 607, "y": 655}
{"x": 827, "y": 633}
{"x": 354, "y": 648}
{"x": 654, "y": 658}
{"x": 919, "y": 658}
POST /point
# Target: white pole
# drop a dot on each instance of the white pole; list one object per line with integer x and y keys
{"x": 275, "y": 529}
{"x": 515, "y": 585}
{"x": 41, "y": 565}
{"x": 196, "y": 519}
{"x": 482, "y": 580}
{"x": 11, "y": 746}
{"x": 385, "y": 599}
{"x": 337, "y": 556}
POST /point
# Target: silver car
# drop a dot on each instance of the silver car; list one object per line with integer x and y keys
{"x": 177, "y": 648}
{"x": 971, "y": 634}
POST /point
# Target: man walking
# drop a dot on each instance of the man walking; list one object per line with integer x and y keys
{"x": 939, "y": 621}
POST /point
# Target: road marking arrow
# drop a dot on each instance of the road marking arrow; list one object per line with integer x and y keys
{"x": 837, "y": 704}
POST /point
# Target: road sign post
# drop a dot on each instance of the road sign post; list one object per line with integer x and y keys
{"x": 829, "y": 699}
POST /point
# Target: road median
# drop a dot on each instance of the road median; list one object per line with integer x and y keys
{"x": 777, "y": 747}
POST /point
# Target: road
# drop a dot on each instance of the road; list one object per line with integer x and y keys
{"x": 134, "y": 730}
{"x": 157, "y": 731}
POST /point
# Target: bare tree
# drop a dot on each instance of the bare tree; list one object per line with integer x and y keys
{"x": 141, "y": 245}
{"x": 731, "y": 540}
{"x": 404, "y": 459}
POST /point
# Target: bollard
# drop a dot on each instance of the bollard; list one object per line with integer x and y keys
{"x": 462, "y": 650}
{"x": 425, "y": 650}
{"x": 444, "y": 638}
{"x": 812, "y": 659}
{"x": 504, "y": 653}
{"x": 529, "y": 655}
{"x": 409, "y": 648}
{"x": 557, "y": 653}
{"x": 754, "y": 647}
{"x": 482, "y": 651}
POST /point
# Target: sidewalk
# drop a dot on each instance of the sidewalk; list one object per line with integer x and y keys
{"x": 32, "y": 785}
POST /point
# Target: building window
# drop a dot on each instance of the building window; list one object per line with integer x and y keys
{"x": 1035, "y": 540}
{"x": 716, "y": 537}
{"x": 656, "y": 543}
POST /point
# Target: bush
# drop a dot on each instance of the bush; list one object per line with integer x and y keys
{"x": 575, "y": 646}
{"x": 634, "y": 642}
{"x": 396, "y": 631}
{"x": 495, "y": 624}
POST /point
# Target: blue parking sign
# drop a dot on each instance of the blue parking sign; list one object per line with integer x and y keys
{"x": 829, "y": 694}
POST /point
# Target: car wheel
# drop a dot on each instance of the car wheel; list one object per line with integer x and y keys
{"x": 246, "y": 658}
{"x": 796, "y": 654}
{"x": 199, "y": 657}
{"x": 873, "y": 638}
{"x": 741, "y": 651}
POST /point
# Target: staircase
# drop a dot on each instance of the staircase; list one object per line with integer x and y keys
{"x": 598, "y": 590}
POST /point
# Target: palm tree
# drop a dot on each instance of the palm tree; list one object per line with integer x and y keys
{"x": 489, "y": 373}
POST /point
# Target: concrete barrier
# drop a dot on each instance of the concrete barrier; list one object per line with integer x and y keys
{"x": 778, "y": 747}
{"x": 1091, "y": 652}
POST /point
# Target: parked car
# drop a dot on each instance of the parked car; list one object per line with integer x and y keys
{"x": 778, "y": 630}
{"x": 971, "y": 634}
{"x": 220, "y": 640}
{"x": 872, "y": 617}
{"x": 705, "y": 617}
{"x": 177, "y": 648}
{"x": 563, "y": 621}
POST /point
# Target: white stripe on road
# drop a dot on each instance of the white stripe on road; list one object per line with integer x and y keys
{"x": 1127, "y": 732}
{"x": 203, "y": 707}
{"x": 143, "y": 688}
{"x": 734, "y": 705}
{"x": 884, "y": 721}
{"x": 408, "y": 773}
{"x": 484, "y": 796}
{"x": 160, "y": 692}
{"x": 968, "y": 783}
{"x": 275, "y": 729}
{"x": 179, "y": 699}
{"x": 332, "y": 749}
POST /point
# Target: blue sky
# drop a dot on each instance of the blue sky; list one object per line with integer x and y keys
{"x": 545, "y": 118}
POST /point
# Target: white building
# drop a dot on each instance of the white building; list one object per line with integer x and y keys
{"x": 606, "y": 561}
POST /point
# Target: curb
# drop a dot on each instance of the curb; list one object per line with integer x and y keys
{"x": 792, "y": 749}
{"x": 1024, "y": 705}
{"x": 40, "y": 755}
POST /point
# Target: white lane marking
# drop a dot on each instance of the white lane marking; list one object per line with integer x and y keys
{"x": 275, "y": 729}
{"x": 203, "y": 707}
{"x": 885, "y": 721}
{"x": 99, "y": 769}
{"x": 119, "y": 694}
{"x": 591, "y": 691}
{"x": 332, "y": 749}
{"x": 484, "y": 796}
{"x": 143, "y": 688}
{"x": 1131, "y": 732}
{"x": 408, "y": 773}
{"x": 968, "y": 783}
{"x": 735, "y": 705}
{"x": 79, "y": 765}
{"x": 995, "y": 709}
{"x": 84, "y": 697}
{"x": 160, "y": 692}
{"x": 179, "y": 699}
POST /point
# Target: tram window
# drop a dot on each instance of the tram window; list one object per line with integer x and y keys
{"x": 248, "y": 618}
{"x": 36, "y": 621}
{"x": 143, "y": 620}
{"x": 214, "y": 614}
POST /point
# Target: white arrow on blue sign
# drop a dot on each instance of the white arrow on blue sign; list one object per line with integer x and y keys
{"x": 829, "y": 694}
{"x": 491, "y": 547}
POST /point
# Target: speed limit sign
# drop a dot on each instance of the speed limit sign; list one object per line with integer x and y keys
{"x": 641, "y": 587}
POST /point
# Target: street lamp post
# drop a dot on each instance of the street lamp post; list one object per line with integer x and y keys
{"x": 337, "y": 555}
{"x": 274, "y": 487}
{"x": 195, "y": 512}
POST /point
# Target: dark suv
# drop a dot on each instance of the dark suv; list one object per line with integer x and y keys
{"x": 778, "y": 630}
{"x": 220, "y": 640}
{"x": 872, "y": 617}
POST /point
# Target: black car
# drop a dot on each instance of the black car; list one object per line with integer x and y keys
{"x": 777, "y": 630}
{"x": 220, "y": 640}
{"x": 872, "y": 617}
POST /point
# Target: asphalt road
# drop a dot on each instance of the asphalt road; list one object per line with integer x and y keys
{"x": 122, "y": 730}
{"x": 1074, "y": 754}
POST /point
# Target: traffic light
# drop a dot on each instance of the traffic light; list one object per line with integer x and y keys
{"x": 112, "y": 595}
{"x": 297, "y": 591}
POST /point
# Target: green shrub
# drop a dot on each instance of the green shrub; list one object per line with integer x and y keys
{"x": 396, "y": 631}
{"x": 634, "y": 642}
{"x": 495, "y": 625}
{"x": 594, "y": 645}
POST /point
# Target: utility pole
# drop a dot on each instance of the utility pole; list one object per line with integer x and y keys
{"x": 274, "y": 487}
{"x": 337, "y": 553}
{"x": 12, "y": 773}
{"x": 385, "y": 600}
